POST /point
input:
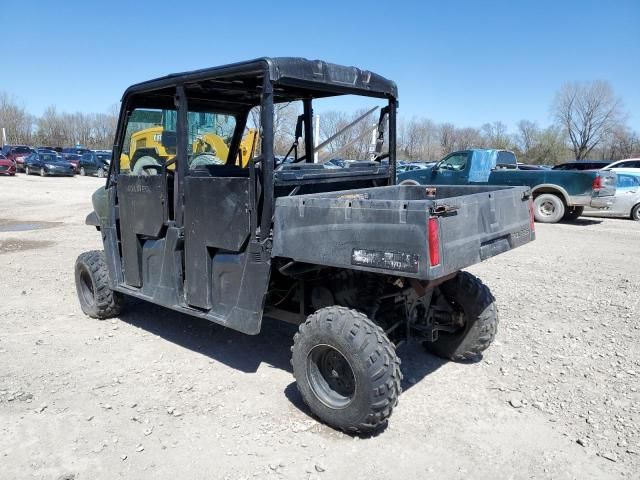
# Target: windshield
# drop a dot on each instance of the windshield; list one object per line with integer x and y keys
{"x": 104, "y": 157}
{"x": 48, "y": 157}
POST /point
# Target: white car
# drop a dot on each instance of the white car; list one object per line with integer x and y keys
{"x": 627, "y": 163}
{"x": 626, "y": 202}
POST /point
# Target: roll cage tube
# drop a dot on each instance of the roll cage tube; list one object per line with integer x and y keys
{"x": 266, "y": 113}
{"x": 393, "y": 106}
{"x": 181, "y": 154}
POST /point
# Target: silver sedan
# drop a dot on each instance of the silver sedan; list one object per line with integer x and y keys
{"x": 627, "y": 199}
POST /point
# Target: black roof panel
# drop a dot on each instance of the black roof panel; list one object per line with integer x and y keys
{"x": 292, "y": 78}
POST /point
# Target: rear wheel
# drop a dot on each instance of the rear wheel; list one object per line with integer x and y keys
{"x": 92, "y": 285}
{"x": 42, "y": 172}
{"x": 635, "y": 213}
{"x": 82, "y": 171}
{"x": 468, "y": 296}
{"x": 572, "y": 213}
{"x": 346, "y": 369}
{"x": 26, "y": 171}
{"x": 548, "y": 208}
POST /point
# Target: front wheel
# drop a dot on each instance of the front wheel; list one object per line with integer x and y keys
{"x": 548, "y": 208}
{"x": 26, "y": 171}
{"x": 471, "y": 299}
{"x": 635, "y": 213}
{"x": 82, "y": 171}
{"x": 101, "y": 173}
{"x": 42, "y": 172}
{"x": 92, "y": 285}
{"x": 346, "y": 369}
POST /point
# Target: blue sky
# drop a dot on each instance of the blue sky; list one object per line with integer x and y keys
{"x": 463, "y": 62}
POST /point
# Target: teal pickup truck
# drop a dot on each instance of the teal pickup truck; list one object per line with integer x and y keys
{"x": 557, "y": 194}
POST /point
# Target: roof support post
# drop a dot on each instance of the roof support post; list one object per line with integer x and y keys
{"x": 308, "y": 130}
{"x": 266, "y": 113}
{"x": 393, "y": 106}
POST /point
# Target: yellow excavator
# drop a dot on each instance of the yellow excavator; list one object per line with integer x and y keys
{"x": 148, "y": 142}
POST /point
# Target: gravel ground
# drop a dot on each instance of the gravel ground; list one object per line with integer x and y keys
{"x": 156, "y": 394}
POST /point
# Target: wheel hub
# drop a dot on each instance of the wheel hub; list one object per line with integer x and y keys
{"x": 547, "y": 208}
{"x": 330, "y": 376}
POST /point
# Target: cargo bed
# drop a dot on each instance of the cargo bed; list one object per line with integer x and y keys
{"x": 413, "y": 231}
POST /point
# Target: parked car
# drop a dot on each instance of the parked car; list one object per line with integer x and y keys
{"x": 627, "y": 200}
{"x": 55, "y": 149}
{"x": 628, "y": 163}
{"x": 76, "y": 150}
{"x": 557, "y": 195}
{"x": 17, "y": 153}
{"x": 7, "y": 167}
{"x": 92, "y": 163}
{"x": 73, "y": 159}
{"x": 46, "y": 162}
{"x": 582, "y": 165}
{"x": 335, "y": 163}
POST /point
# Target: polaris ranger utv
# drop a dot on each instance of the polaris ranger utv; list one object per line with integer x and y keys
{"x": 361, "y": 264}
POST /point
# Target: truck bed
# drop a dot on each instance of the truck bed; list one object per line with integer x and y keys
{"x": 411, "y": 231}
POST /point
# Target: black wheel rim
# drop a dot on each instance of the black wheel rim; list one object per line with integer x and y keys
{"x": 330, "y": 376}
{"x": 86, "y": 288}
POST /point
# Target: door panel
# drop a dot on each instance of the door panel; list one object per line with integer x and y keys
{"x": 217, "y": 218}
{"x": 142, "y": 208}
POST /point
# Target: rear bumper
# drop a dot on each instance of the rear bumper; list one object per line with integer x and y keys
{"x": 589, "y": 201}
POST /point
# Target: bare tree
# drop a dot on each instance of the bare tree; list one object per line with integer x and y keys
{"x": 527, "y": 135}
{"x": 18, "y": 124}
{"x": 621, "y": 143}
{"x": 468, "y": 137}
{"x": 588, "y": 112}
{"x": 418, "y": 140}
{"x": 447, "y": 134}
{"x": 496, "y": 136}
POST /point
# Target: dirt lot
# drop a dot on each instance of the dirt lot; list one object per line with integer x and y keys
{"x": 156, "y": 394}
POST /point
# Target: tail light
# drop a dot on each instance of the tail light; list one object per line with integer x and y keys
{"x": 532, "y": 218}
{"x": 597, "y": 184}
{"x": 434, "y": 242}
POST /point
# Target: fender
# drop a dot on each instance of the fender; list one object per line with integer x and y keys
{"x": 550, "y": 186}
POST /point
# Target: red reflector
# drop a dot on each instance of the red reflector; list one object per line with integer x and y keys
{"x": 434, "y": 242}
{"x": 532, "y": 218}
{"x": 597, "y": 183}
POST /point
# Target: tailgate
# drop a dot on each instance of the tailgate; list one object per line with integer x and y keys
{"x": 397, "y": 230}
{"x": 607, "y": 184}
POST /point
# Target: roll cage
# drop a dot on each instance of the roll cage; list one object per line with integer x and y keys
{"x": 237, "y": 88}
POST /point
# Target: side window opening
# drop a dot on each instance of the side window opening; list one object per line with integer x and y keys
{"x": 147, "y": 145}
